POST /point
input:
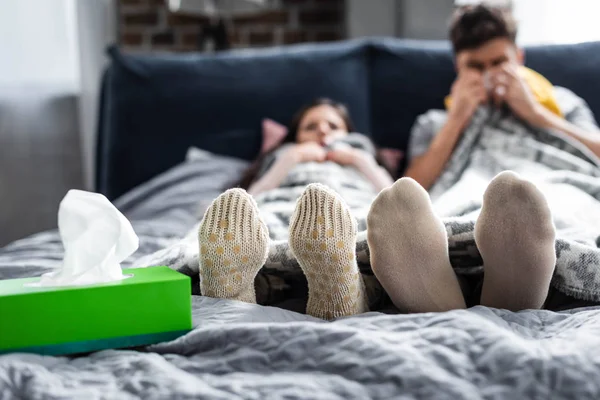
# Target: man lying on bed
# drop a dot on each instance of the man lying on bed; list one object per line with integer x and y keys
{"x": 491, "y": 75}
{"x": 490, "y": 70}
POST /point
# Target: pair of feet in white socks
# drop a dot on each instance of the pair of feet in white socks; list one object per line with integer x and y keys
{"x": 514, "y": 235}
{"x": 407, "y": 241}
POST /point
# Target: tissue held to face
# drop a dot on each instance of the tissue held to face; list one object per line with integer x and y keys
{"x": 321, "y": 124}
{"x": 488, "y": 60}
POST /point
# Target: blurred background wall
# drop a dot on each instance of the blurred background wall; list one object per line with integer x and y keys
{"x": 148, "y": 25}
{"x": 40, "y": 156}
{"x": 53, "y": 58}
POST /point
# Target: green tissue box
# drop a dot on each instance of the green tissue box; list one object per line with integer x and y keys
{"x": 153, "y": 305}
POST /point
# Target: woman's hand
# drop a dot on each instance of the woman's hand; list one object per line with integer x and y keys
{"x": 345, "y": 156}
{"x": 364, "y": 162}
{"x": 277, "y": 173}
{"x": 307, "y": 152}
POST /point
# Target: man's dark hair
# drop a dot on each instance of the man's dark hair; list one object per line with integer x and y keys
{"x": 473, "y": 26}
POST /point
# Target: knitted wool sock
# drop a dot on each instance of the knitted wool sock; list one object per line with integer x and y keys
{"x": 515, "y": 236}
{"x": 323, "y": 240}
{"x": 233, "y": 243}
{"x": 409, "y": 250}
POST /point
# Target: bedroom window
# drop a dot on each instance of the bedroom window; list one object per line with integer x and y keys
{"x": 38, "y": 40}
{"x": 552, "y": 21}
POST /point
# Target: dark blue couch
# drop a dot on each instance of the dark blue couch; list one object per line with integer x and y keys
{"x": 154, "y": 107}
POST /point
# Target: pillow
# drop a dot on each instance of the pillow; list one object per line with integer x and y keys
{"x": 391, "y": 158}
{"x": 273, "y": 134}
{"x": 195, "y": 154}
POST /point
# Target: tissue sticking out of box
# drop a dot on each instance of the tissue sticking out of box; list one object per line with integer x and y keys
{"x": 96, "y": 238}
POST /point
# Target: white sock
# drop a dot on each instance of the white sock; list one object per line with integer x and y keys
{"x": 515, "y": 236}
{"x": 409, "y": 250}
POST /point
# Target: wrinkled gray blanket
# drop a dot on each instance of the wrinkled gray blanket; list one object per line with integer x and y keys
{"x": 240, "y": 351}
{"x": 243, "y": 351}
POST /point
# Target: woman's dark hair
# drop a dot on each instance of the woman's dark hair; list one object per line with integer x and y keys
{"x": 473, "y": 26}
{"x": 341, "y": 109}
{"x": 294, "y": 126}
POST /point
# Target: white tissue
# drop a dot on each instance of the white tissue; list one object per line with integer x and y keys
{"x": 96, "y": 237}
{"x": 487, "y": 82}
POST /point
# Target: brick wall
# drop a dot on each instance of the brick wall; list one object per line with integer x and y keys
{"x": 146, "y": 25}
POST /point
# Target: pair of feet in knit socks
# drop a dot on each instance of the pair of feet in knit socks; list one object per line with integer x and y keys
{"x": 408, "y": 245}
{"x": 234, "y": 244}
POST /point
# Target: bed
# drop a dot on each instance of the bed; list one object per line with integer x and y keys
{"x": 155, "y": 108}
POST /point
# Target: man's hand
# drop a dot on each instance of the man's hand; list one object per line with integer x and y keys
{"x": 310, "y": 151}
{"x": 511, "y": 88}
{"x": 468, "y": 93}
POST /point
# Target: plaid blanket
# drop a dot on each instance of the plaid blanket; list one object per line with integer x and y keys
{"x": 564, "y": 170}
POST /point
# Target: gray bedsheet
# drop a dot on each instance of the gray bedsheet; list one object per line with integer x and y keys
{"x": 239, "y": 350}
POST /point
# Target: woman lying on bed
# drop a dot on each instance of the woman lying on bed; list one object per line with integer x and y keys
{"x": 314, "y": 188}
{"x": 318, "y": 220}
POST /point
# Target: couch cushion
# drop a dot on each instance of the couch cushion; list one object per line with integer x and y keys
{"x": 410, "y": 77}
{"x": 407, "y": 79}
{"x": 576, "y": 67}
{"x": 155, "y": 107}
